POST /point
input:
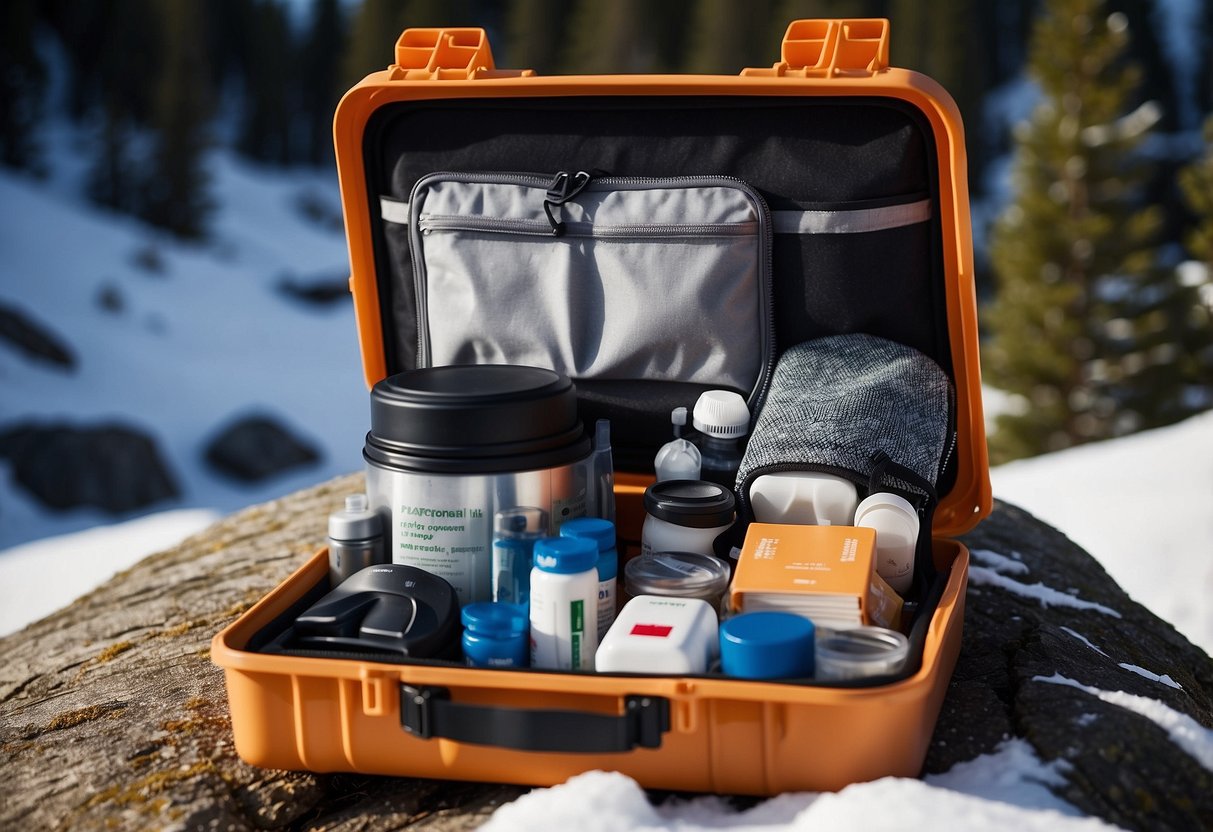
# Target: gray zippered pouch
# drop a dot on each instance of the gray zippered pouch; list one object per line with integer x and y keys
{"x": 610, "y": 278}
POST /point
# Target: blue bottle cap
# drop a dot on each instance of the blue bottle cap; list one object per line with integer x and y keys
{"x": 767, "y": 645}
{"x": 495, "y": 619}
{"x": 600, "y": 531}
{"x": 565, "y": 555}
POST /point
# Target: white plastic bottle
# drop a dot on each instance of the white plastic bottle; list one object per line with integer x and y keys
{"x": 896, "y": 524}
{"x": 723, "y": 420}
{"x": 564, "y": 604}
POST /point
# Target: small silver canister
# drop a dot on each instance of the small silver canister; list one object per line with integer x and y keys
{"x": 355, "y": 539}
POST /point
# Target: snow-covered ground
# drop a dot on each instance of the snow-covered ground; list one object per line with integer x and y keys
{"x": 210, "y": 336}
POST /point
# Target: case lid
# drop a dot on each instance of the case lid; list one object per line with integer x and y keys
{"x": 843, "y": 64}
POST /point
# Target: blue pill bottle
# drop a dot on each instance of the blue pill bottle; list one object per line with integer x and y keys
{"x": 495, "y": 634}
{"x": 602, "y": 532}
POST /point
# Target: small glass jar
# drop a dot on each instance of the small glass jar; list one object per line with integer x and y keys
{"x": 677, "y": 575}
{"x": 495, "y": 635}
{"x": 861, "y": 652}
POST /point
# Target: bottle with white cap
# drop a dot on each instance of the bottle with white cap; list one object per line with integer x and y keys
{"x": 564, "y": 604}
{"x": 896, "y": 523}
{"x": 677, "y": 459}
{"x": 722, "y": 420}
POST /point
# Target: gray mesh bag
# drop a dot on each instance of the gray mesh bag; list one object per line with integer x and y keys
{"x": 845, "y": 403}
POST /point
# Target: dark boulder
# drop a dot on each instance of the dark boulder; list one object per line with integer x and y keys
{"x": 257, "y": 446}
{"x": 34, "y": 339}
{"x": 1055, "y": 652}
{"x": 116, "y": 468}
{"x": 317, "y": 291}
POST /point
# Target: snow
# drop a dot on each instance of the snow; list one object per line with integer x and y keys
{"x": 1046, "y": 595}
{"x": 1143, "y": 506}
{"x": 210, "y": 336}
{"x": 1184, "y": 731}
{"x": 206, "y": 339}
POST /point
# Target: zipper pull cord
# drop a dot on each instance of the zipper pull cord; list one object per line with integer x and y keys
{"x": 563, "y": 188}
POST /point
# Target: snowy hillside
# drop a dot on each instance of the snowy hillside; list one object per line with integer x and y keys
{"x": 177, "y": 340}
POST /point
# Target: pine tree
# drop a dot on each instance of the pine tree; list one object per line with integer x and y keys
{"x": 320, "y": 64}
{"x": 610, "y": 38}
{"x": 266, "y": 128}
{"x": 726, "y": 37}
{"x": 1087, "y": 328}
{"x": 175, "y": 188}
{"x": 22, "y": 84}
{"x": 373, "y": 34}
{"x": 1196, "y": 183}
{"x": 534, "y": 35}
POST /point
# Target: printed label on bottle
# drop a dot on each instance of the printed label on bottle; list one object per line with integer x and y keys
{"x": 606, "y": 605}
{"x": 577, "y": 628}
{"x": 568, "y": 508}
{"x": 450, "y": 541}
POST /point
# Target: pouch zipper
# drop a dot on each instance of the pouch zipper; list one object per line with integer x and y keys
{"x": 762, "y": 384}
{"x": 539, "y": 228}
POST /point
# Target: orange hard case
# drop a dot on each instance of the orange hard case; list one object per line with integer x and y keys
{"x": 700, "y": 733}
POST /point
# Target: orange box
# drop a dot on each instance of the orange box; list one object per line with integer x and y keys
{"x": 785, "y": 566}
{"x": 863, "y": 167}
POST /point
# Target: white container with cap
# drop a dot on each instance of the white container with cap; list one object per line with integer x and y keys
{"x": 677, "y": 459}
{"x": 896, "y": 524}
{"x": 564, "y": 604}
{"x": 722, "y": 419}
{"x": 660, "y": 635}
{"x": 685, "y": 516}
{"x": 355, "y": 539}
{"x": 803, "y": 498}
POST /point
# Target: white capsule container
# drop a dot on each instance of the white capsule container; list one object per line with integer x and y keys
{"x": 564, "y": 604}
{"x": 896, "y": 524}
{"x": 803, "y": 498}
{"x": 655, "y": 634}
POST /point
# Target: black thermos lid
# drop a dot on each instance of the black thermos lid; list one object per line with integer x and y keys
{"x": 475, "y": 418}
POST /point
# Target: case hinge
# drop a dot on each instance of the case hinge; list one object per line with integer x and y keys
{"x": 831, "y": 48}
{"x": 447, "y": 54}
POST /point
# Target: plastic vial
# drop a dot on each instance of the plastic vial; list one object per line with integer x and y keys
{"x": 603, "y": 471}
{"x": 495, "y": 635}
{"x": 723, "y": 420}
{"x": 515, "y": 531}
{"x": 602, "y": 532}
{"x": 677, "y": 459}
{"x": 564, "y": 604}
{"x": 355, "y": 539}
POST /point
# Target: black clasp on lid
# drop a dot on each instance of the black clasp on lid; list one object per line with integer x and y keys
{"x": 564, "y": 187}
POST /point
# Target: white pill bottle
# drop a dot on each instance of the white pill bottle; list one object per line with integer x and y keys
{"x": 564, "y": 604}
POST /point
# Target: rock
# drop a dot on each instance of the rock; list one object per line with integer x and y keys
{"x": 34, "y": 339}
{"x": 322, "y": 291}
{"x": 116, "y": 468}
{"x": 1078, "y": 674}
{"x": 112, "y": 715}
{"x": 255, "y": 447}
